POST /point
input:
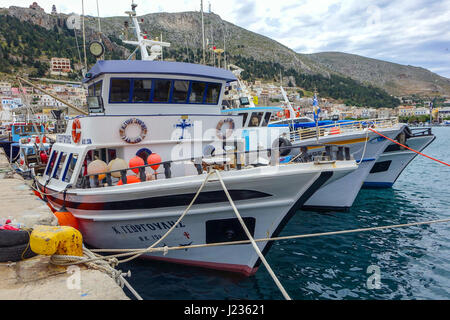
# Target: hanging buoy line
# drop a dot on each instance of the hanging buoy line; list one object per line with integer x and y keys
{"x": 406, "y": 147}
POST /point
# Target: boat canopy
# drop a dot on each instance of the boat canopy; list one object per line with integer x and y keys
{"x": 158, "y": 67}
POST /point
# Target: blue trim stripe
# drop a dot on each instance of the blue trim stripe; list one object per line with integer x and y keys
{"x": 366, "y": 160}
{"x": 378, "y": 184}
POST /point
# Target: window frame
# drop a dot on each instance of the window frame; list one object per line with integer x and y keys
{"x": 152, "y": 92}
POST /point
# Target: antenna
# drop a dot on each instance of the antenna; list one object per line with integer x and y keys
{"x": 142, "y": 42}
{"x": 84, "y": 39}
{"x": 203, "y": 31}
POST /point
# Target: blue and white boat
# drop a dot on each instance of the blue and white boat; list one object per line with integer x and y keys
{"x": 395, "y": 158}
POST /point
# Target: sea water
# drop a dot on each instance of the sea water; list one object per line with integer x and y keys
{"x": 405, "y": 263}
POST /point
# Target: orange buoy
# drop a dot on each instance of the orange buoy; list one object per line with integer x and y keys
{"x": 154, "y": 158}
{"x": 65, "y": 218}
{"x": 136, "y": 162}
{"x": 287, "y": 113}
{"x": 279, "y": 114}
{"x": 130, "y": 179}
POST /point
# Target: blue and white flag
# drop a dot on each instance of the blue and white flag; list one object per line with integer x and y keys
{"x": 316, "y": 108}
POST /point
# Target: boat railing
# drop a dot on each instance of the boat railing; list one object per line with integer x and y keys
{"x": 234, "y": 160}
{"x": 419, "y": 132}
{"x": 340, "y": 127}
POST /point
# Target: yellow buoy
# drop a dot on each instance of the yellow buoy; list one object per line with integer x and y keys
{"x": 48, "y": 240}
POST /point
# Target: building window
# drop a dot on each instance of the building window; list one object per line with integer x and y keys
{"x": 120, "y": 90}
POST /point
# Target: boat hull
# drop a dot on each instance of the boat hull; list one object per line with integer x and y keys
{"x": 128, "y": 218}
{"x": 390, "y": 165}
{"x": 341, "y": 194}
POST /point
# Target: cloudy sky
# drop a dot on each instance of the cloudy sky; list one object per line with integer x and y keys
{"x": 411, "y": 32}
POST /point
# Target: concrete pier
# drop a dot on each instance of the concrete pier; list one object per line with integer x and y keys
{"x": 36, "y": 278}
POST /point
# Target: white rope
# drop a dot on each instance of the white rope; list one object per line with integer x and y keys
{"x": 106, "y": 266}
{"x": 365, "y": 146}
{"x": 261, "y": 256}
{"x": 176, "y": 223}
{"x": 293, "y": 237}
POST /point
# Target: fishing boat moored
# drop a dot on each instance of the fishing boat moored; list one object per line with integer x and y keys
{"x": 155, "y": 129}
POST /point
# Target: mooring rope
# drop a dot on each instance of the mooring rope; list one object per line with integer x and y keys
{"x": 293, "y": 237}
{"x": 249, "y": 236}
{"x": 422, "y": 154}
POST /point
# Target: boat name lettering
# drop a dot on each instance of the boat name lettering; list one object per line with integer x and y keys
{"x": 61, "y": 138}
{"x": 86, "y": 141}
{"x": 141, "y": 136}
{"x": 145, "y": 227}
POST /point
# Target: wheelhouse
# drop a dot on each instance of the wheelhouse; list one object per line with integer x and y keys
{"x": 155, "y": 87}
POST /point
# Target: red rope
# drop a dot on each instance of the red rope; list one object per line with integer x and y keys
{"x": 409, "y": 148}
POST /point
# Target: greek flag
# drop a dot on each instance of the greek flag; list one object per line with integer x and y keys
{"x": 316, "y": 108}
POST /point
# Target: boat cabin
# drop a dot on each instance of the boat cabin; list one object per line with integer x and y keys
{"x": 25, "y": 130}
{"x": 155, "y": 87}
{"x": 139, "y": 108}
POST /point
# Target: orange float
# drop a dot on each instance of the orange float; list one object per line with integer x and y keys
{"x": 154, "y": 158}
{"x": 130, "y": 179}
{"x": 136, "y": 162}
{"x": 287, "y": 114}
{"x": 65, "y": 218}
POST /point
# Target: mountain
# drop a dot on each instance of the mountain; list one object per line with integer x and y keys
{"x": 350, "y": 78}
{"x": 395, "y": 78}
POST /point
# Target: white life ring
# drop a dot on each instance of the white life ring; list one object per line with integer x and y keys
{"x": 136, "y": 139}
{"x": 229, "y": 131}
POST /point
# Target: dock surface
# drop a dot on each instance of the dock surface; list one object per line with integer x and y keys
{"x": 37, "y": 278}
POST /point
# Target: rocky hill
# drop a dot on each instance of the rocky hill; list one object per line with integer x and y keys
{"x": 264, "y": 56}
{"x": 395, "y": 78}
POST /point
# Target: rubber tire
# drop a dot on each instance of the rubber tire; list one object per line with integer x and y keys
{"x": 282, "y": 142}
{"x": 9, "y": 238}
{"x": 14, "y": 253}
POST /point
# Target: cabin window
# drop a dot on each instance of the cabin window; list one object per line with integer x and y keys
{"x": 162, "y": 90}
{"x": 98, "y": 89}
{"x": 120, "y": 90}
{"x": 266, "y": 119}
{"x": 91, "y": 91}
{"x": 141, "y": 90}
{"x": 180, "y": 91}
{"x": 51, "y": 163}
{"x": 197, "y": 92}
{"x": 71, "y": 163}
{"x": 59, "y": 166}
{"x": 255, "y": 119}
{"x": 244, "y": 118}
{"x": 213, "y": 93}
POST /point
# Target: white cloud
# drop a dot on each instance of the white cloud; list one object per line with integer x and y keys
{"x": 379, "y": 29}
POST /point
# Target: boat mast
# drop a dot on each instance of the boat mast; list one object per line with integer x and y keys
{"x": 203, "y": 31}
{"x": 84, "y": 39}
{"x": 142, "y": 42}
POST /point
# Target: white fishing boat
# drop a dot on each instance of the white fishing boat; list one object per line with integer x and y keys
{"x": 33, "y": 155}
{"x": 396, "y": 158}
{"x": 173, "y": 110}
